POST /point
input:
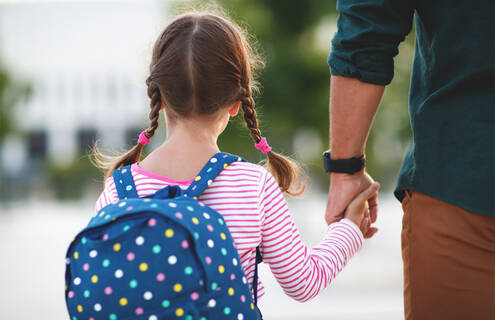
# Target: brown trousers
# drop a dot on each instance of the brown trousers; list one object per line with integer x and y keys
{"x": 449, "y": 261}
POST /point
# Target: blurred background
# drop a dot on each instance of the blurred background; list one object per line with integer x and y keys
{"x": 73, "y": 73}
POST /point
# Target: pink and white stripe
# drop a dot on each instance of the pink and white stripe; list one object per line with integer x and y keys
{"x": 250, "y": 200}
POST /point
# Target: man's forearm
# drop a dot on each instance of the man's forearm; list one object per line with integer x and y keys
{"x": 353, "y": 105}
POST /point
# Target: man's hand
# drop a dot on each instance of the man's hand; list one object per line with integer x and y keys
{"x": 344, "y": 188}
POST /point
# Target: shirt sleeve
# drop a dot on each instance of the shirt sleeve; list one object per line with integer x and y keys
{"x": 368, "y": 35}
{"x": 302, "y": 272}
{"x": 108, "y": 195}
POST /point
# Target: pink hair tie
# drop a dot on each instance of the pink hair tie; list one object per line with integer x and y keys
{"x": 263, "y": 146}
{"x": 143, "y": 139}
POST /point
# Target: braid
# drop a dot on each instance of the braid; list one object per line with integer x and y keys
{"x": 155, "y": 105}
{"x": 285, "y": 171}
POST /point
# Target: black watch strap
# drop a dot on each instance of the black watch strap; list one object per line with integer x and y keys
{"x": 350, "y": 165}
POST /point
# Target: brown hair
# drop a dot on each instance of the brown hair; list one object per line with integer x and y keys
{"x": 202, "y": 63}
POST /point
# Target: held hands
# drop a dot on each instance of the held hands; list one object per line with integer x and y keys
{"x": 358, "y": 210}
{"x": 343, "y": 189}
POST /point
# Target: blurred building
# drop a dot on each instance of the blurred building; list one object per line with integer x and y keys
{"x": 86, "y": 62}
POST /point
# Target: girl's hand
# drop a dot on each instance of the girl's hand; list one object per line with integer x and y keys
{"x": 358, "y": 210}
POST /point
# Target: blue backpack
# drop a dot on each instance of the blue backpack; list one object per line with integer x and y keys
{"x": 166, "y": 256}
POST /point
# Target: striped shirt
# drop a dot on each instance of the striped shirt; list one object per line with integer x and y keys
{"x": 256, "y": 213}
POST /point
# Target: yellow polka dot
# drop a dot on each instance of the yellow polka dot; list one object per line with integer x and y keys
{"x": 195, "y": 220}
{"x": 146, "y": 200}
{"x": 177, "y": 287}
{"x": 225, "y": 166}
{"x": 231, "y": 291}
{"x": 102, "y": 213}
{"x": 169, "y": 233}
{"x": 195, "y": 198}
{"x": 123, "y": 301}
{"x": 79, "y": 308}
{"x": 223, "y": 236}
{"x": 179, "y": 312}
{"x": 198, "y": 178}
{"x": 76, "y": 255}
{"x": 221, "y": 269}
{"x": 252, "y": 306}
{"x": 94, "y": 278}
{"x": 116, "y": 247}
{"x": 143, "y": 267}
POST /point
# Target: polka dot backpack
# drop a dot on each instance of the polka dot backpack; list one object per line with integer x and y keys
{"x": 167, "y": 256}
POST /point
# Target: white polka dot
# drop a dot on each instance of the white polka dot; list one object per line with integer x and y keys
{"x": 122, "y": 204}
{"x": 139, "y": 240}
{"x": 172, "y": 259}
{"x": 206, "y": 215}
{"x": 97, "y": 307}
{"x": 240, "y": 316}
{"x": 210, "y": 243}
{"x": 212, "y": 303}
{"x": 172, "y": 204}
{"x": 93, "y": 253}
{"x": 119, "y": 273}
{"x": 147, "y": 295}
{"x": 201, "y": 282}
{"x": 67, "y": 260}
{"x": 234, "y": 261}
{"x": 77, "y": 281}
{"x": 213, "y": 160}
{"x": 153, "y": 317}
{"x": 209, "y": 182}
{"x": 244, "y": 280}
{"x": 239, "y": 159}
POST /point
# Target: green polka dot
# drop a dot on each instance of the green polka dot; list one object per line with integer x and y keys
{"x": 202, "y": 318}
{"x": 153, "y": 205}
{"x": 86, "y": 293}
{"x": 188, "y": 317}
{"x": 133, "y": 284}
{"x": 105, "y": 263}
{"x": 226, "y": 310}
{"x": 188, "y": 270}
{"x": 74, "y": 318}
{"x": 128, "y": 188}
{"x": 190, "y": 208}
{"x": 126, "y": 228}
{"x": 214, "y": 285}
{"x": 196, "y": 235}
{"x": 157, "y": 249}
{"x": 165, "y": 303}
{"x": 220, "y": 221}
{"x": 224, "y": 251}
{"x": 84, "y": 240}
{"x": 113, "y": 316}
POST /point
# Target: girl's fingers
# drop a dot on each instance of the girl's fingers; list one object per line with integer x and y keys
{"x": 368, "y": 193}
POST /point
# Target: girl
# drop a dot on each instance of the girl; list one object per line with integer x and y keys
{"x": 201, "y": 75}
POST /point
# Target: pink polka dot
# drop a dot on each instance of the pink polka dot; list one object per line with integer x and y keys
{"x": 131, "y": 256}
{"x": 243, "y": 298}
{"x": 194, "y": 296}
{"x": 232, "y": 276}
{"x": 124, "y": 170}
{"x": 179, "y": 215}
{"x": 139, "y": 311}
{"x": 105, "y": 237}
{"x": 86, "y": 267}
{"x": 201, "y": 204}
{"x": 108, "y": 290}
{"x": 208, "y": 260}
{"x": 91, "y": 318}
{"x": 129, "y": 208}
{"x": 160, "y": 277}
{"x": 185, "y": 244}
{"x": 70, "y": 294}
{"x": 209, "y": 227}
{"x": 152, "y": 222}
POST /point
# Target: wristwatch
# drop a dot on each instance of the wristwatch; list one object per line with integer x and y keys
{"x": 350, "y": 165}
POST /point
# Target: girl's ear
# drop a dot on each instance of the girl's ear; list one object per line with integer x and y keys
{"x": 234, "y": 110}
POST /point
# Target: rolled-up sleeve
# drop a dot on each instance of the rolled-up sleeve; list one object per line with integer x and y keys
{"x": 367, "y": 39}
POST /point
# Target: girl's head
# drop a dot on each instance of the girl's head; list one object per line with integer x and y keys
{"x": 203, "y": 64}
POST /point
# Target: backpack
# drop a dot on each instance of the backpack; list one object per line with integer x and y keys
{"x": 165, "y": 256}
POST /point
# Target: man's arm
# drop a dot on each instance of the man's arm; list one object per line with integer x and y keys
{"x": 353, "y": 105}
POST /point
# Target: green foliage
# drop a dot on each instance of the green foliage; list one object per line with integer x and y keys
{"x": 72, "y": 180}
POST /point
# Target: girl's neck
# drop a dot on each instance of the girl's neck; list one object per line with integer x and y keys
{"x": 188, "y": 146}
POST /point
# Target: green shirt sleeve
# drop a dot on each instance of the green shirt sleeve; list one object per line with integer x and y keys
{"x": 368, "y": 34}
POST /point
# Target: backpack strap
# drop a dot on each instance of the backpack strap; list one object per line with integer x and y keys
{"x": 210, "y": 171}
{"x": 258, "y": 260}
{"x": 124, "y": 183}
